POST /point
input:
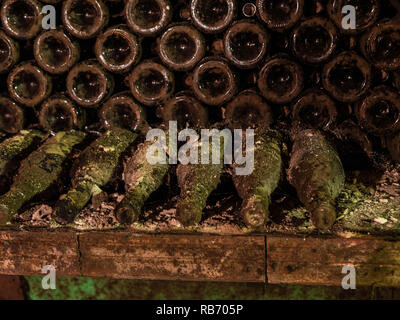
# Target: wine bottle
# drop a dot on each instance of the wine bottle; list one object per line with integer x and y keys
{"x": 55, "y": 52}
{"x": 315, "y": 40}
{"x": 122, "y": 111}
{"x": 181, "y": 47}
{"x": 151, "y": 83}
{"x": 12, "y": 118}
{"x": 93, "y": 169}
{"x": 28, "y": 84}
{"x": 381, "y": 45}
{"x": 280, "y": 79}
{"x": 196, "y": 182}
{"x": 141, "y": 180}
{"x": 280, "y": 15}
{"x": 21, "y": 19}
{"x": 58, "y": 113}
{"x": 246, "y": 43}
{"x": 248, "y": 110}
{"x": 393, "y": 145}
{"x": 16, "y": 145}
{"x": 148, "y": 17}
{"x": 367, "y": 12}
{"x": 214, "y": 82}
{"x": 9, "y": 52}
{"x": 117, "y": 49}
{"x": 256, "y": 188}
{"x": 315, "y": 109}
{"x": 185, "y": 110}
{"x": 84, "y": 19}
{"x": 38, "y": 172}
{"x": 347, "y": 77}
{"x": 211, "y": 16}
{"x": 88, "y": 84}
{"x": 379, "y": 112}
{"x": 317, "y": 174}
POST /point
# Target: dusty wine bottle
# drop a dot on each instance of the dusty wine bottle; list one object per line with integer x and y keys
{"x": 314, "y": 40}
{"x": 122, "y": 111}
{"x": 367, "y": 12}
{"x": 212, "y": 16}
{"x": 280, "y": 15}
{"x": 315, "y": 109}
{"x": 347, "y": 77}
{"x": 151, "y": 83}
{"x": 55, "y": 52}
{"x": 379, "y": 112}
{"x": 21, "y": 19}
{"x": 280, "y": 79}
{"x": 197, "y": 181}
{"x": 381, "y": 45}
{"x": 248, "y": 110}
{"x": 88, "y": 84}
{"x": 11, "y": 147}
{"x": 38, "y": 172}
{"x": 185, "y": 110}
{"x": 147, "y": 17}
{"x": 12, "y": 118}
{"x": 317, "y": 174}
{"x": 117, "y": 49}
{"x": 214, "y": 82}
{"x": 93, "y": 169}
{"x": 84, "y": 19}
{"x": 58, "y": 113}
{"x": 28, "y": 84}
{"x": 181, "y": 47}
{"x": 256, "y": 189}
{"x": 9, "y": 52}
{"x": 246, "y": 43}
{"x": 141, "y": 180}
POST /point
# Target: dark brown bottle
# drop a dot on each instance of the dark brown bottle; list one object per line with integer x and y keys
{"x": 280, "y": 15}
{"x": 347, "y": 77}
{"x": 181, "y": 47}
{"x": 122, "y": 111}
{"x": 245, "y": 44}
{"x": 185, "y": 110}
{"x": 9, "y": 52}
{"x": 21, "y": 19}
{"x": 248, "y": 110}
{"x": 381, "y": 45}
{"x": 11, "y": 116}
{"x": 315, "y": 109}
{"x": 55, "y": 52}
{"x": 280, "y": 80}
{"x": 212, "y": 16}
{"x": 214, "y": 82}
{"x": 28, "y": 84}
{"x": 58, "y": 113}
{"x": 117, "y": 49}
{"x": 88, "y": 84}
{"x": 314, "y": 40}
{"x": 367, "y": 12}
{"x": 379, "y": 112}
{"x": 84, "y": 19}
{"x": 148, "y": 17}
{"x": 151, "y": 83}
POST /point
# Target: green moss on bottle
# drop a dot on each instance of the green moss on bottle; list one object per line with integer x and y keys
{"x": 38, "y": 172}
{"x": 92, "y": 170}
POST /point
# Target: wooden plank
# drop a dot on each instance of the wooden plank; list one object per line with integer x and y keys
{"x": 26, "y": 253}
{"x": 173, "y": 257}
{"x": 319, "y": 261}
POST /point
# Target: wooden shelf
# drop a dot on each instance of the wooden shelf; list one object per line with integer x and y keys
{"x": 272, "y": 258}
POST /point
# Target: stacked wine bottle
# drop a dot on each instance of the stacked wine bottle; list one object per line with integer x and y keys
{"x": 291, "y": 69}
